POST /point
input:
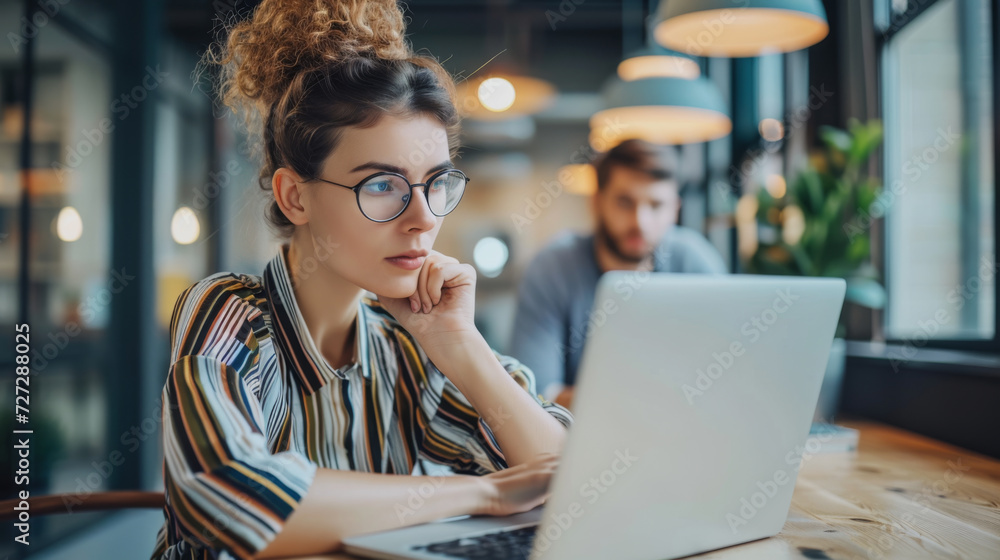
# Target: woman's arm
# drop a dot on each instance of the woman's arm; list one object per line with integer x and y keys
{"x": 441, "y": 316}
{"x": 343, "y": 503}
{"x": 340, "y": 504}
{"x": 227, "y": 491}
{"x": 523, "y": 429}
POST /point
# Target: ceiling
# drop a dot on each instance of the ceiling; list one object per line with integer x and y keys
{"x": 574, "y": 46}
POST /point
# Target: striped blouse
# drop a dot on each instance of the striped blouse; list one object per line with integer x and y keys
{"x": 251, "y": 408}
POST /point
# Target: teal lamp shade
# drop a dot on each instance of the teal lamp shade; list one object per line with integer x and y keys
{"x": 655, "y": 61}
{"x": 731, "y": 28}
{"x": 660, "y": 110}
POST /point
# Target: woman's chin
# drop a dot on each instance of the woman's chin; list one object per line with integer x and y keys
{"x": 397, "y": 288}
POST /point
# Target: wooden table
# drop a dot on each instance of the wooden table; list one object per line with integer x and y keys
{"x": 899, "y": 496}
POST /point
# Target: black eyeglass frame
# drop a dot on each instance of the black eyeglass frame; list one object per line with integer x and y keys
{"x": 357, "y": 191}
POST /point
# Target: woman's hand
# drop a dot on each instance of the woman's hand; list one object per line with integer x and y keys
{"x": 444, "y": 304}
{"x": 519, "y": 488}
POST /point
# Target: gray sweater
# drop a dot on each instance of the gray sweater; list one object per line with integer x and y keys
{"x": 556, "y": 294}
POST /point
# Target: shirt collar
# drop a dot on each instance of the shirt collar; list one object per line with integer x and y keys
{"x": 292, "y": 333}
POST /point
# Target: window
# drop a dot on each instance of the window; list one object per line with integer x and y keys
{"x": 938, "y": 195}
{"x": 96, "y": 379}
{"x": 69, "y": 273}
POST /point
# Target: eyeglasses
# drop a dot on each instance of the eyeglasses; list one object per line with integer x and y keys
{"x": 383, "y": 196}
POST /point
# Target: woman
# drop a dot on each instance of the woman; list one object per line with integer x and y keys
{"x": 294, "y": 402}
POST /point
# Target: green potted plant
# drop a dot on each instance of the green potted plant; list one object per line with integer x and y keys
{"x": 820, "y": 226}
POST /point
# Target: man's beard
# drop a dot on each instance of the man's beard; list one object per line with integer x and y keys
{"x": 604, "y": 237}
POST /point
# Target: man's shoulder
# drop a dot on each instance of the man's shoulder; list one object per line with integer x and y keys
{"x": 551, "y": 274}
{"x": 686, "y": 247}
{"x": 687, "y": 239}
{"x": 565, "y": 246}
{"x": 685, "y": 235}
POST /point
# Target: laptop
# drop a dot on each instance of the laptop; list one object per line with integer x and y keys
{"x": 693, "y": 402}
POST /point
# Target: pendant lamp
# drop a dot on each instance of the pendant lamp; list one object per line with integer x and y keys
{"x": 739, "y": 28}
{"x": 660, "y": 110}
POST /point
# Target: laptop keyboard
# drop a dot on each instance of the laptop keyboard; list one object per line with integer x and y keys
{"x": 509, "y": 544}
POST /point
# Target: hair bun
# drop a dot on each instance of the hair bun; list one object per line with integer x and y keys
{"x": 287, "y": 38}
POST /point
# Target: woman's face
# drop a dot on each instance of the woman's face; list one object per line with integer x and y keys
{"x": 415, "y": 147}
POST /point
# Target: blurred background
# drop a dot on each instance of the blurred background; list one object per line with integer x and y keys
{"x": 867, "y": 151}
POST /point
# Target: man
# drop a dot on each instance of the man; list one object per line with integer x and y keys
{"x": 635, "y": 212}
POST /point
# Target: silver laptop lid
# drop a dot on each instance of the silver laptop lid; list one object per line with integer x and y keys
{"x": 692, "y": 406}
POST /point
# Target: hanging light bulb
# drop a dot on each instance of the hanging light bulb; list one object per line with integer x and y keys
{"x": 69, "y": 224}
{"x": 184, "y": 226}
{"x": 496, "y": 94}
{"x": 503, "y": 95}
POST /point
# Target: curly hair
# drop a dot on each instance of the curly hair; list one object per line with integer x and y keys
{"x": 300, "y": 71}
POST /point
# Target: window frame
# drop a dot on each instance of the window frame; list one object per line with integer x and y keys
{"x": 884, "y": 36}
